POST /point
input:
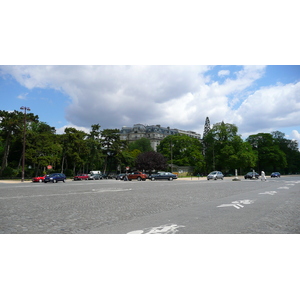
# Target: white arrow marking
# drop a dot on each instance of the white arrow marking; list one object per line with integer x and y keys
{"x": 163, "y": 229}
{"x": 237, "y": 204}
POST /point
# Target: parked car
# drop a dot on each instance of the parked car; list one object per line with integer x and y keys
{"x": 120, "y": 176}
{"x": 162, "y": 175}
{"x": 250, "y": 175}
{"x": 38, "y": 179}
{"x": 275, "y": 174}
{"x": 95, "y": 177}
{"x": 81, "y": 177}
{"x": 137, "y": 175}
{"x": 55, "y": 177}
{"x": 215, "y": 175}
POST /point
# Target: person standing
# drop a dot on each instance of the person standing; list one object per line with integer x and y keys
{"x": 263, "y": 176}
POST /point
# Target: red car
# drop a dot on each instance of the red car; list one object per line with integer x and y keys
{"x": 38, "y": 179}
{"x": 137, "y": 175}
{"x": 81, "y": 177}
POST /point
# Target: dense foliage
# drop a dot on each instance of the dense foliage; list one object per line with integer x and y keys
{"x": 76, "y": 151}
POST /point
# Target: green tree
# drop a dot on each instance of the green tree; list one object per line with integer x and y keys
{"x": 94, "y": 144}
{"x": 11, "y": 131}
{"x": 291, "y": 150}
{"x": 149, "y": 161}
{"x": 225, "y": 149}
{"x": 112, "y": 147}
{"x": 42, "y": 147}
{"x": 142, "y": 144}
{"x": 270, "y": 157}
{"x": 182, "y": 150}
{"x": 75, "y": 150}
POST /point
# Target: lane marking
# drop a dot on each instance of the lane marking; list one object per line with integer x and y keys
{"x": 162, "y": 229}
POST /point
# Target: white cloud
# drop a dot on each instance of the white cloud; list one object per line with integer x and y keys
{"x": 271, "y": 107}
{"x": 176, "y": 96}
{"x": 223, "y": 73}
{"x": 295, "y": 135}
{"x": 61, "y": 130}
{"x": 22, "y": 96}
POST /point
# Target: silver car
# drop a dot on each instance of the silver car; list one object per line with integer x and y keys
{"x": 215, "y": 175}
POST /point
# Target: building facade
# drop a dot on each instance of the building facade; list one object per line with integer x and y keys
{"x": 155, "y": 133}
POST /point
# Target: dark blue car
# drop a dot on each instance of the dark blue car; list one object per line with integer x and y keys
{"x": 55, "y": 177}
{"x": 162, "y": 175}
{"x": 275, "y": 174}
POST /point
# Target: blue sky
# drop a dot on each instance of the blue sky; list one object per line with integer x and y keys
{"x": 255, "y": 98}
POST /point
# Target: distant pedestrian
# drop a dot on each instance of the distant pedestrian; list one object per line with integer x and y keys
{"x": 263, "y": 176}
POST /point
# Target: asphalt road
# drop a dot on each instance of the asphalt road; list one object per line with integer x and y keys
{"x": 161, "y": 207}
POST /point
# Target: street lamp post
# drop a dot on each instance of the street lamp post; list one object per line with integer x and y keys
{"x": 24, "y": 141}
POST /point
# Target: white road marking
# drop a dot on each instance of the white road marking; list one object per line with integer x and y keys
{"x": 283, "y": 188}
{"x": 269, "y": 193}
{"x": 237, "y": 204}
{"x": 162, "y": 229}
{"x": 67, "y": 194}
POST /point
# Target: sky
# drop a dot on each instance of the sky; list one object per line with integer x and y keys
{"x": 256, "y": 99}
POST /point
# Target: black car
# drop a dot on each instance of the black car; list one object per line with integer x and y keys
{"x": 162, "y": 175}
{"x": 55, "y": 177}
{"x": 120, "y": 176}
{"x": 250, "y": 175}
{"x": 275, "y": 174}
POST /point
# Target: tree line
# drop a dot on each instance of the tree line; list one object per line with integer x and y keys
{"x": 76, "y": 151}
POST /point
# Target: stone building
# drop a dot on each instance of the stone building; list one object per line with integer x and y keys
{"x": 155, "y": 133}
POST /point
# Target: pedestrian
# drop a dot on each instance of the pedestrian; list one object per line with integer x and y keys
{"x": 263, "y": 176}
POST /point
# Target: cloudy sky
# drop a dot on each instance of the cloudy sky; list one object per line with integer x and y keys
{"x": 255, "y": 98}
{"x": 122, "y": 63}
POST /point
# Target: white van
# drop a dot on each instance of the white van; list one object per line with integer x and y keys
{"x": 94, "y": 175}
{"x": 95, "y": 172}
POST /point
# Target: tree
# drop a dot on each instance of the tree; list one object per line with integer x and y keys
{"x": 205, "y": 133}
{"x": 291, "y": 150}
{"x": 270, "y": 157}
{"x": 112, "y": 146}
{"x": 75, "y": 150}
{"x": 42, "y": 147}
{"x": 182, "y": 150}
{"x": 150, "y": 161}
{"x": 94, "y": 144}
{"x": 11, "y": 131}
{"x": 225, "y": 149}
{"x": 142, "y": 144}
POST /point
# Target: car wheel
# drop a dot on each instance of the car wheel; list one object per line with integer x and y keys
{"x": 215, "y": 178}
{"x": 152, "y": 179}
{"x": 54, "y": 181}
{"x": 40, "y": 180}
{"x": 139, "y": 178}
{"x": 171, "y": 178}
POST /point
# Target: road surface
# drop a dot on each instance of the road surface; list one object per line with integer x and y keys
{"x": 159, "y": 207}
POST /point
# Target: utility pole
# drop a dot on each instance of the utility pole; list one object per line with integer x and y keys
{"x": 24, "y": 141}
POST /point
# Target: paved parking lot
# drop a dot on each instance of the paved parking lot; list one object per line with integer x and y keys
{"x": 180, "y": 206}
